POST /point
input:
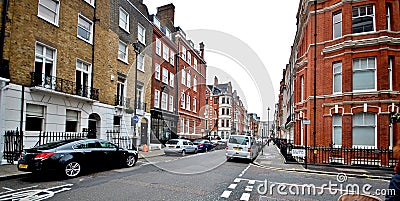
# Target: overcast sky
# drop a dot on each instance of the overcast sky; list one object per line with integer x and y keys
{"x": 266, "y": 27}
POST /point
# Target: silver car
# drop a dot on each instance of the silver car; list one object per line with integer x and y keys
{"x": 241, "y": 146}
{"x": 179, "y": 146}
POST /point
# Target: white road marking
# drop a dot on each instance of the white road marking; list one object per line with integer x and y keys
{"x": 226, "y": 194}
{"x": 252, "y": 182}
{"x": 9, "y": 189}
{"x": 245, "y": 196}
{"x": 237, "y": 180}
{"x": 249, "y": 188}
{"x": 232, "y": 186}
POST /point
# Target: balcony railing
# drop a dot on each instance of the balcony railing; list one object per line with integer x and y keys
{"x": 122, "y": 101}
{"x": 62, "y": 85}
{"x": 141, "y": 106}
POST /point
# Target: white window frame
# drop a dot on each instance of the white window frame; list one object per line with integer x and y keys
{"x": 172, "y": 58}
{"x": 388, "y": 15}
{"x": 360, "y": 69}
{"x": 366, "y": 15}
{"x": 165, "y": 52}
{"x": 157, "y": 22}
{"x": 56, "y": 12}
{"x": 182, "y": 125}
{"x": 90, "y": 30}
{"x": 44, "y": 59}
{"x": 195, "y": 83}
{"x": 79, "y": 67}
{"x": 171, "y": 103}
{"x": 124, "y": 23}
{"x": 141, "y": 34}
{"x": 165, "y": 75}
{"x": 187, "y": 126}
{"x": 157, "y": 70}
{"x": 302, "y": 88}
{"x": 184, "y": 77}
{"x": 183, "y": 100}
{"x": 72, "y": 118}
{"x": 337, "y": 73}
{"x": 195, "y": 105}
{"x": 339, "y": 17}
{"x": 188, "y": 79}
{"x": 390, "y": 72}
{"x": 189, "y": 58}
{"x": 35, "y": 114}
{"x": 158, "y": 46}
{"x": 156, "y": 98}
{"x": 364, "y": 125}
{"x": 195, "y": 63}
{"x": 339, "y": 125}
{"x": 164, "y": 101}
{"x": 188, "y": 102}
{"x": 184, "y": 53}
{"x": 120, "y": 52}
{"x": 140, "y": 64}
{"x": 171, "y": 79}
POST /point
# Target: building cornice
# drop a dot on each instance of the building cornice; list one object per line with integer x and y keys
{"x": 383, "y": 40}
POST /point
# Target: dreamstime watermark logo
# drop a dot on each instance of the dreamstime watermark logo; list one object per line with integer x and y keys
{"x": 333, "y": 188}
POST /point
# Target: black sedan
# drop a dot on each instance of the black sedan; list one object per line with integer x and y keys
{"x": 70, "y": 157}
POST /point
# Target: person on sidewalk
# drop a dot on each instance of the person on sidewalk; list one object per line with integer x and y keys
{"x": 395, "y": 181}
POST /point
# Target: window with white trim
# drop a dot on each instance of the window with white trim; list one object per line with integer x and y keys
{"x": 164, "y": 99}
{"x": 171, "y": 79}
{"x": 388, "y": 7}
{"x": 195, "y": 63}
{"x": 82, "y": 78}
{"x": 122, "y": 51}
{"x": 157, "y": 99}
{"x": 337, "y": 24}
{"x": 194, "y": 104}
{"x": 85, "y": 29}
{"x": 123, "y": 19}
{"x": 194, "y": 126}
{"x": 337, "y": 77}
{"x": 182, "y": 125}
{"x": 140, "y": 97}
{"x": 171, "y": 103}
{"x": 158, "y": 46}
{"x": 34, "y": 117}
{"x": 166, "y": 52}
{"x": 364, "y": 70}
{"x": 121, "y": 82}
{"x": 49, "y": 10}
{"x": 158, "y": 71}
{"x": 183, "y": 100}
{"x": 188, "y": 79}
{"x": 165, "y": 75}
{"x": 187, "y": 125}
{"x": 195, "y": 83}
{"x": 72, "y": 121}
{"x": 140, "y": 60}
{"x": 141, "y": 34}
{"x": 91, "y": 2}
{"x": 390, "y": 72}
{"x": 183, "y": 52}
{"x": 171, "y": 58}
{"x": 302, "y": 88}
{"x": 45, "y": 65}
{"x": 183, "y": 76}
{"x": 187, "y": 102}
{"x": 364, "y": 129}
{"x": 363, "y": 19}
{"x": 337, "y": 130}
{"x": 189, "y": 58}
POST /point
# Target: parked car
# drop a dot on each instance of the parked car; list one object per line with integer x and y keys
{"x": 70, "y": 157}
{"x": 241, "y": 146}
{"x": 203, "y": 145}
{"x": 179, "y": 146}
{"x": 218, "y": 144}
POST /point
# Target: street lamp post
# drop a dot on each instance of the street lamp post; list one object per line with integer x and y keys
{"x": 138, "y": 46}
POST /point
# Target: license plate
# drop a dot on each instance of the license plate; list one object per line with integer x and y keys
{"x": 237, "y": 149}
{"x": 23, "y": 166}
{"x": 171, "y": 147}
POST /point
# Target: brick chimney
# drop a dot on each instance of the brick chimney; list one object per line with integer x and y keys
{"x": 166, "y": 14}
{"x": 202, "y": 49}
{"x": 215, "y": 81}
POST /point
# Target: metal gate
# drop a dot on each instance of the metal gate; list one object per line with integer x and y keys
{"x": 12, "y": 145}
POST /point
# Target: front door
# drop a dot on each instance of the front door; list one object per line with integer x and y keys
{"x": 92, "y": 129}
{"x": 143, "y": 133}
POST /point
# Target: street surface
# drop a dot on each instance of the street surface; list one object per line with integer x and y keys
{"x": 205, "y": 176}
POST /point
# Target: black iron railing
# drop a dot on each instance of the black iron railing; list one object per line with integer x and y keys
{"x": 46, "y": 137}
{"x": 12, "y": 145}
{"x": 141, "y": 106}
{"x": 122, "y": 101}
{"x": 62, "y": 85}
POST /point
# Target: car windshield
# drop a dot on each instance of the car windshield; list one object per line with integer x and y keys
{"x": 53, "y": 145}
{"x": 242, "y": 140}
{"x": 172, "y": 142}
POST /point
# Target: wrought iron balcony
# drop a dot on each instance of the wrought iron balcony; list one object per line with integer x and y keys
{"x": 122, "y": 101}
{"x": 141, "y": 106}
{"x": 62, "y": 85}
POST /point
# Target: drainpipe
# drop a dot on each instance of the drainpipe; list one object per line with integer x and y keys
{"x": 93, "y": 45}
{"x": 3, "y": 29}
{"x": 177, "y": 101}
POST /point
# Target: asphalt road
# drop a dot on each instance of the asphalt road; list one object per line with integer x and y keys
{"x": 204, "y": 176}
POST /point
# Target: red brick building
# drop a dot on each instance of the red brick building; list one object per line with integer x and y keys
{"x": 357, "y": 87}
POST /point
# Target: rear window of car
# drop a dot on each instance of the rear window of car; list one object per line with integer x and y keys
{"x": 242, "y": 140}
{"x": 172, "y": 142}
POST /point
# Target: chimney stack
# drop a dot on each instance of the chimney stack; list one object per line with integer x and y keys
{"x": 202, "y": 49}
{"x": 166, "y": 14}
{"x": 215, "y": 81}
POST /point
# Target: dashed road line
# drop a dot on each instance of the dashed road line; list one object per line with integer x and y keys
{"x": 252, "y": 182}
{"x": 226, "y": 194}
{"x": 237, "y": 180}
{"x": 245, "y": 196}
{"x": 248, "y": 188}
{"x": 232, "y": 186}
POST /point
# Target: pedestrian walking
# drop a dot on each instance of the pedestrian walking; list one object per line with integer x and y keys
{"x": 395, "y": 181}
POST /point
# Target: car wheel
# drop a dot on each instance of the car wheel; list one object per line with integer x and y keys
{"x": 130, "y": 161}
{"x": 72, "y": 169}
{"x": 195, "y": 151}
{"x": 228, "y": 159}
{"x": 183, "y": 152}
{"x": 206, "y": 150}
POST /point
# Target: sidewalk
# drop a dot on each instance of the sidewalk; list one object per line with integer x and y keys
{"x": 150, "y": 154}
{"x": 273, "y": 159}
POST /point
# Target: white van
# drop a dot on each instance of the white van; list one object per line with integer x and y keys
{"x": 241, "y": 146}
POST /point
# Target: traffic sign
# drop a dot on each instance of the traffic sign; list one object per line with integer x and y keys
{"x": 135, "y": 119}
{"x": 305, "y": 121}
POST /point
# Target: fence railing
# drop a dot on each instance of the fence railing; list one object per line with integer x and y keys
{"x": 115, "y": 137}
{"x": 46, "y": 137}
{"x": 351, "y": 156}
{"x": 12, "y": 145}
